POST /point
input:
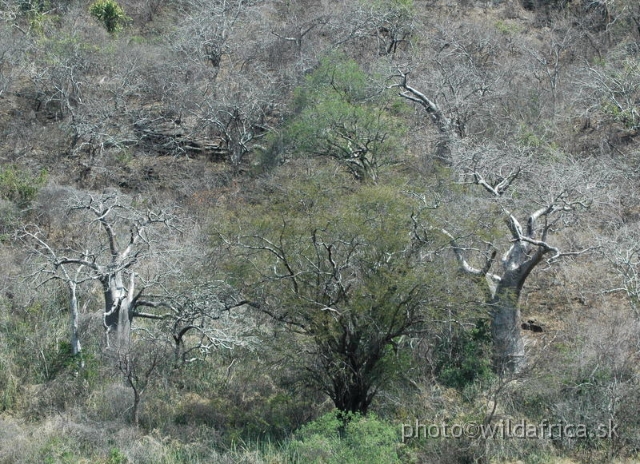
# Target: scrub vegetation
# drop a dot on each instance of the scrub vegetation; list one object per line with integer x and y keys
{"x": 271, "y": 231}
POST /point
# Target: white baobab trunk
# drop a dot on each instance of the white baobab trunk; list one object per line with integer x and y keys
{"x": 508, "y": 346}
{"x": 76, "y": 348}
{"x": 505, "y": 288}
{"x": 118, "y": 308}
{"x": 517, "y": 263}
{"x": 111, "y": 265}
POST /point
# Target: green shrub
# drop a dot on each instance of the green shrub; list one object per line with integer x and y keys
{"x": 343, "y": 113}
{"x": 19, "y": 186}
{"x": 110, "y": 14}
{"x": 362, "y": 439}
{"x": 117, "y": 457}
{"x": 464, "y": 356}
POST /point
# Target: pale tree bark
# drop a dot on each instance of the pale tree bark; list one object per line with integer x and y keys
{"x": 448, "y": 137}
{"x": 529, "y": 247}
{"x": 120, "y": 248}
{"x": 71, "y": 280}
{"x": 109, "y": 259}
{"x": 115, "y": 273}
{"x": 208, "y": 316}
{"x": 461, "y": 79}
{"x": 76, "y": 348}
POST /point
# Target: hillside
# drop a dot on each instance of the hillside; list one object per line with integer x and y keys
{"x": 319, "y": 231}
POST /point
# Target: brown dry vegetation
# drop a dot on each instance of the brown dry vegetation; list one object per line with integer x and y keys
{"x": 253, "y": 119}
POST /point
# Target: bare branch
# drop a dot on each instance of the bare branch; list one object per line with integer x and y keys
{"x": 465, "y": 266}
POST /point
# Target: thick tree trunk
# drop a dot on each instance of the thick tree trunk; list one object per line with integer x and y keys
{"x": 118, "y": 311}
{"x": 447, "y": 140}
{"x": 508, "y": 346}
{"x": 518, "y": 262}
{"x": 528, "y": 248}
{"x": 503, "y": 295}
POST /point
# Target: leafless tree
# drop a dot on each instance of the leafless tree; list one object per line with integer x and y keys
{"x": 623, "y": 254}
{"x": 122, "y": 247}
{"x": 239, "y": 117}
{"x": 448, "y": 138}
{"x": 123, "y": 238}
{"x": 458, "y": 81}
{"x": 209, "y": 315}
{"x": 139, "y": 365}
{"x": 549, "y": 66}
{"x": 206, "y": 29}
{"x": 72, "y": 278}
{"x": 383, "y": 28}
{"x": 613, "y": 89}
{"x": 627, "y": 263}
{"x": 547, "y": 207}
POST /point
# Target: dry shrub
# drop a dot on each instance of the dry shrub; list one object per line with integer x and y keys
{"x": 194, "y": 409}
{"x": 145, "y": 449}
{"x": 67, "y": 390}
{"x": 111, "y": 402}
{"x": 14, "y": 440}
{"x": 585, "y": 373}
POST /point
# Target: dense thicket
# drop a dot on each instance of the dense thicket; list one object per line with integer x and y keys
{"x": 310, "y": 222}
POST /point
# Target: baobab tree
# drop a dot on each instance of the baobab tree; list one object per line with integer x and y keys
{"x": 447, "y": 136}
{"x": 547, "y": 195}
{"x": 120, "y": 249}
{"x": 459, "y": 83}
{"x": 529, "y": 245}
{"x": 121, "y": 238}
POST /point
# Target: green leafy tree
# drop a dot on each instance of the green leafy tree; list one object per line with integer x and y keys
{"x": 342, "y": 114}
{"x": 338, "y": 268}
